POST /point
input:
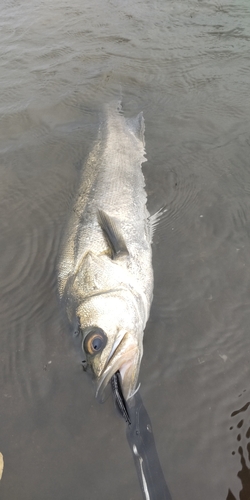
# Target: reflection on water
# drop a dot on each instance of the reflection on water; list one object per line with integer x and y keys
{"x": 185, "y": 64}
{"x": 243, "y": 450}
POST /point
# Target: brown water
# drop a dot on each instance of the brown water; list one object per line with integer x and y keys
{"x": 185, "y": 63}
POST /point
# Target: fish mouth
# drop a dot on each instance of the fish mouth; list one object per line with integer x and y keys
{"x": 126, "y": 359}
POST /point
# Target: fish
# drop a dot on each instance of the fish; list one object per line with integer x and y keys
{"x": 105, "y": 274}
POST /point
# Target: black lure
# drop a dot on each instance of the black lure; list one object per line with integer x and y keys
{"x": 119, "y": 398}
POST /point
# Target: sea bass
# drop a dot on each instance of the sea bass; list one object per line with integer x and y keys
{"x": 105, "y": 270}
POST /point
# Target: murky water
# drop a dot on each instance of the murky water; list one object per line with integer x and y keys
{"x": 185, "y": 63}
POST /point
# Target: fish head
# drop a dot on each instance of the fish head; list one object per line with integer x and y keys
{"x": 112, "y": 336}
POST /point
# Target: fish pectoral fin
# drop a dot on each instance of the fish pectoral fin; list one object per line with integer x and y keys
{"x": 113, "y": 236}
{"x": 157, "y": 219}
{"x": 137, "y": 127}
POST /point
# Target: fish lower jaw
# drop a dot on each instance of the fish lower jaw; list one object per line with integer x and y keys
{"x": 133, "y": 387}
{"x": 128, "y": 364}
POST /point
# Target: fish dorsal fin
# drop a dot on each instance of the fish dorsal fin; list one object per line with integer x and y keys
{"x": 112, "y": 234}
{"x": 137, "y": 126}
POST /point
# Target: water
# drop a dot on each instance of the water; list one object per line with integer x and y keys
{"x": 186, "y": 65}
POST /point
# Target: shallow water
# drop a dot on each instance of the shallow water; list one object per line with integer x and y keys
{"x": 186, "y": 65}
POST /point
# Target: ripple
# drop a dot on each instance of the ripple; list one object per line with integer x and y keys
{"x": 34, "y": 198}
{"x": 182, "y": 198}
{"x": 22, "y": 271}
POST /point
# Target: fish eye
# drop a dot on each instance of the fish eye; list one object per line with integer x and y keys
{"x": 94, "y": 341}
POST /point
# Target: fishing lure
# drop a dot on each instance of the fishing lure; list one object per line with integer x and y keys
{"x": 119, "y": 398}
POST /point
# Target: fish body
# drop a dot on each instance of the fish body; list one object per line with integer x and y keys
{"x": 105, "y": 269}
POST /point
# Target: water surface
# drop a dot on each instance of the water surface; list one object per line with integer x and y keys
{"x": 185, "y": 63}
